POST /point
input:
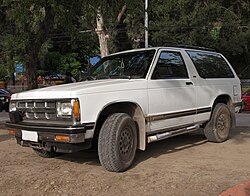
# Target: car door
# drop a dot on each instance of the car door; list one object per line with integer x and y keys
{"x": 171, "y": 92}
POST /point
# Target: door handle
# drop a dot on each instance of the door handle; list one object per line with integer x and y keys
{"x": 189, "y": 83}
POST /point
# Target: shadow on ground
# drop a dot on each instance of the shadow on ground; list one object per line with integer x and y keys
{"x": 170, "y": 145}
{"x": 89, "y": 157}
{"x": 154, "y": 150}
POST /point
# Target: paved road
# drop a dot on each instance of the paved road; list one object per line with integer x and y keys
{"x": 242, "y": 119}
{"x": 4, "y": 116}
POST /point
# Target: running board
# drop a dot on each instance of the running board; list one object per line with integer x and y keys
{"x": 168, "y": 134}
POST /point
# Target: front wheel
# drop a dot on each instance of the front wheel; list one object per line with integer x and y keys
{"x": 117, "y": 142}
{"x": 219, "y": 126}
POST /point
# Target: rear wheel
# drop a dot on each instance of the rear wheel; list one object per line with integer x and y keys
{"x": 117, "y": 142}
{"x": 218, "y": 128}
{"x": 46, "y": 154}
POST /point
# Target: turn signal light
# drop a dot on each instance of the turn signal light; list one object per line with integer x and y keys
{"x": 11, "y": 132}
{"x": 76, "y": 110}
{"x": 62, "y": 138}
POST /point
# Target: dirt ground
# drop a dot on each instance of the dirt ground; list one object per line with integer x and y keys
{"x": 184, "y": 165}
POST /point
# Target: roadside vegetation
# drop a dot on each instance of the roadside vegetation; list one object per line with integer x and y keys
{"x": 51, "y": 36}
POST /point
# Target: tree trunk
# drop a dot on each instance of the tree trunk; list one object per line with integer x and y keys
{"x": 121, "y": 13}
{"x": 31, "y": 64}
{"x": 103, "y": 38}
{"x": 31, "y": 74}
{"x": 121, "y": 39}
{"x": 36, "y": 42}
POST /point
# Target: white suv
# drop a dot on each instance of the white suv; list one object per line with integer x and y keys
{"x": 130, "y": 99}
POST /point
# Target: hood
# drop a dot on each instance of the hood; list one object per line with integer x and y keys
{"x": 73, "y": 90}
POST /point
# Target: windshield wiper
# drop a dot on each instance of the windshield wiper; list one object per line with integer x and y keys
{"x": 97, "y": 77}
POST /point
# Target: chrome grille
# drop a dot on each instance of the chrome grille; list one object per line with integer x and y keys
{"x": 40, "y": 104}
{"x": 21, "y": 105}
{"x": 30, "y": 105}
{"x": 39, "y": 110}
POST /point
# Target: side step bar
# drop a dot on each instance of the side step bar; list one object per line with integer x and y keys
{"x": 168, "y": 134}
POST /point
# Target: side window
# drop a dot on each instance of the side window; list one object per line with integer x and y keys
{"x": 170, "y": 65}
{"x": 210, "y": 65}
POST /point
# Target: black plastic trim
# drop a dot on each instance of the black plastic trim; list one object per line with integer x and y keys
{"x": 238, "y": 104}
{"x": 204, "y": 110}
{"x": 178, "y": 114}
{"x": 49, "y": 128}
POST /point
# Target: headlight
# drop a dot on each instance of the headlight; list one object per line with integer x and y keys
{"x": 64, "y": 109}
{"x": 12, "y": 106}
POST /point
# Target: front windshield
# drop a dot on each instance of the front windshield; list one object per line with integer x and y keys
{"x": 126, "y": 65}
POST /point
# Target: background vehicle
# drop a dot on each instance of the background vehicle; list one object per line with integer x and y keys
{"x": 4, "y": 99}
{"x": 246, "y": 100}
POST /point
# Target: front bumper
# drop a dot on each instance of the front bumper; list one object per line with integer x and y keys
{"x": 47, "y": 136}
{"x": 76, "y": 134}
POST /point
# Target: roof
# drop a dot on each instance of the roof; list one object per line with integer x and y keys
{"x": 179, "y": 47}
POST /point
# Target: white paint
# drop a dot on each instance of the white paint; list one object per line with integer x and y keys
{"x": 154, "y": 97}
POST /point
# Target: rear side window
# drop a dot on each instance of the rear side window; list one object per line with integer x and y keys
{"x": 210, "y": 65}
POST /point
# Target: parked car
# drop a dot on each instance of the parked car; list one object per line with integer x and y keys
{"x": 4, "y": 99}
{"x": 246, "y": 101}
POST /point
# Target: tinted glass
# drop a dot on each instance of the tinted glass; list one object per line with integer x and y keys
{"x": 170, "y": 65}
{"x": 125, "y": 65}
{"x": 3, "y": 91}
{"x": 210, "y": 65}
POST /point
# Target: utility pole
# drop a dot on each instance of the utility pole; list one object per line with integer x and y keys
{"x": 146, "y": 23}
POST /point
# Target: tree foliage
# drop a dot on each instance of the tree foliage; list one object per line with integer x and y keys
{"x": 222, "y": 25}
{"x": 36, "y": 32}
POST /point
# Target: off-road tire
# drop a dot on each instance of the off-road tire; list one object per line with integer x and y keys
{"x": 46, "y": 154}
{"x": 219, "y": 126}
{"x": 117, "y": 142}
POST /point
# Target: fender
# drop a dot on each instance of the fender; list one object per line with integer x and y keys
{"x": 131, "y": 108}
